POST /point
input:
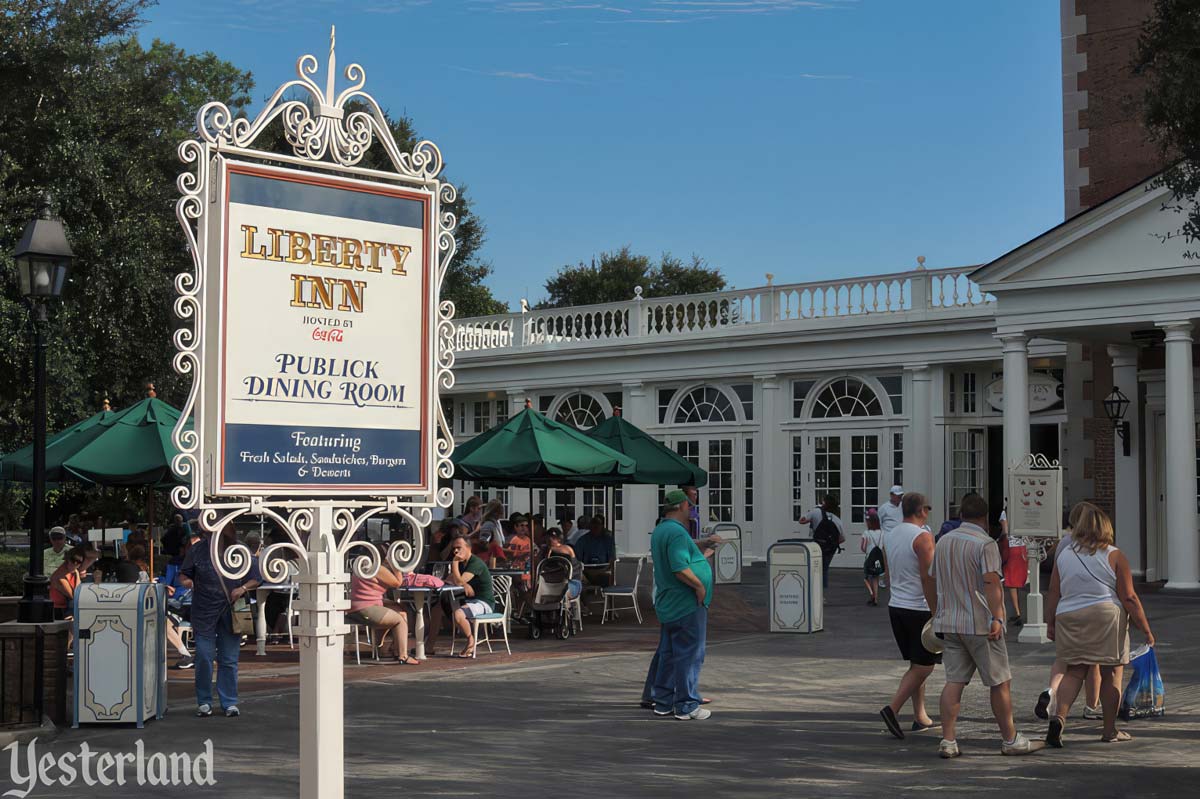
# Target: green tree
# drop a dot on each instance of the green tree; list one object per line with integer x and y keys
{"x": 619, "y": 272}
{"x": 1169, "y": 59}
{"x": 93, "y": 117}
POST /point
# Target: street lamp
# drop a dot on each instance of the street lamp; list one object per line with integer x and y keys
{"x": 1115, "y": 406}
{"x": 43, "y": 258}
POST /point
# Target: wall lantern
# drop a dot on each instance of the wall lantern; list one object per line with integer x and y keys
{"x": 1116, "y": 405}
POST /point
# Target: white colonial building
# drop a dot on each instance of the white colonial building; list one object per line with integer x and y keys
{"x": 934, "y": 379}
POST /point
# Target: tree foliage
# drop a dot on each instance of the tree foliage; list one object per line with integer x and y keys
{"x": 94, "y": 118}
{"x": 1169, "y": 59}
{"x": 619, "y": 272}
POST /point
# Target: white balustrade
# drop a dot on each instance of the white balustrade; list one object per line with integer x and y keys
{"x": 927, "y": 291}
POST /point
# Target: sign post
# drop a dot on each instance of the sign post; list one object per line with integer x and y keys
{"x": 1035, "y": 509}
{"x": 318, "y": 344}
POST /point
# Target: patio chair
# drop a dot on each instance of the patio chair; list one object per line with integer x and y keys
{"x": 500, "y": 588}
{"x": 356, "y": 621}
{"x": 626, "y": 576}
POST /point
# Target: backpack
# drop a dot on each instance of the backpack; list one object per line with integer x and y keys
{"x": 826, "y": 533}
{"x": 873, "y": 565}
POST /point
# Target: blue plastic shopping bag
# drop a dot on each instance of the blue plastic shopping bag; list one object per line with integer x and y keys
{"x": 1144, "y": 696}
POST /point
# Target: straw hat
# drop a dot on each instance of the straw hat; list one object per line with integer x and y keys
{"x": 931, "y": 642}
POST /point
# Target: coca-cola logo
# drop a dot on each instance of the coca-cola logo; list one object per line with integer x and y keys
{"x": 332, "y": 334}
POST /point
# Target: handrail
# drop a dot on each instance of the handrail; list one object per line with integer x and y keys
{"x": 920, "y": 290}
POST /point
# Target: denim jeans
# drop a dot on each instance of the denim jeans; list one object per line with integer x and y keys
{"x": 826, "y": 560}
{"x": 223, "y": 646}
{"x": 680, "y": 656}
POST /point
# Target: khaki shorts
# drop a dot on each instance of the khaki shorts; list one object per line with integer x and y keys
{"x": 963, "y": 655}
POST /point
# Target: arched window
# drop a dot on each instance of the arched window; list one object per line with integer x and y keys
{"x": 846, "y": 396}
{"x": 705, "y": 404}
{"x": 581, "y": 411}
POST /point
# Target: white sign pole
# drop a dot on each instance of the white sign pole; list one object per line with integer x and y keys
{"x": 318, "y": 344}
{"x": 322, "y": 633}
{"x": 1034, "y": 630}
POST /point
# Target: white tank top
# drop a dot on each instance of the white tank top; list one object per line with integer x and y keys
{"x": 1084, "y": 579}
{"x": 904, "y": 570}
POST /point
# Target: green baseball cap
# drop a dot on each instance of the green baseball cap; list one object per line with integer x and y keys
{"x": 675, "y": 497}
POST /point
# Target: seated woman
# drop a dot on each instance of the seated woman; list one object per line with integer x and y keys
{"x": 367, "y": 600}
{"x": 64, "y": 581}
{"x": 471, "y": 573}
{"x": 519, "y": 547}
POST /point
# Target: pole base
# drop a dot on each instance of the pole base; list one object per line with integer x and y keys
{"x": 35, "y": 606}
{"x": 1179, "y": 585}
{"x": 1033, "y": 634}
{"x": 35, "y": 610}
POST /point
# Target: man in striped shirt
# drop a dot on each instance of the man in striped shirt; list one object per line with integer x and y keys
{"x": 968, "y": 613}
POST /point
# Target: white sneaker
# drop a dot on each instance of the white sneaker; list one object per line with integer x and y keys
{"x": 203, "y": 711}
{"x": 948, "y": 749}
{"x": 1020, "y": 746}
{"x": 1093, "y": 712}
{"x": 699, "y": 714}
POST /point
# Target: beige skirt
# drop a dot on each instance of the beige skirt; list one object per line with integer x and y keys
{"x": 1095, "y": 635}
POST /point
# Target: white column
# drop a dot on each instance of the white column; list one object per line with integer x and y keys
{"x": 918, "y": 465}
{"x": 1127, "y": 476}
{"x": 322, "y": 605}
{"x": 772, "y": 471}
{"x": 640, "y": 500}
{"x": 1183, "y": 546}
{"x": 1016, "y": 399}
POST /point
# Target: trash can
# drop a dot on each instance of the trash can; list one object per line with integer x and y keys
{"x": 120, "y": 653}
{"x": 727, "y": 562}
{"x": 794, "y": 573}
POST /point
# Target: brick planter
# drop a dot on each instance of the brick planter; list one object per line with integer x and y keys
{"x": 33, "y": 673}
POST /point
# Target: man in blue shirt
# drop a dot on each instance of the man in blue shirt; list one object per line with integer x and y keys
{"x": 682, "y": 592}
{"x": 597, "y": 547}
{"x": 213, "y": 597}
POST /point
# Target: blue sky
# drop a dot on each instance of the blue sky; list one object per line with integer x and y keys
{"x": 812, "y": 140}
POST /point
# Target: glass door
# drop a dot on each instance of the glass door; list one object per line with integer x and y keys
{"x": 848, "y": 465}
{"x": 717, "y": 456}
{"x": 968, "y": 465}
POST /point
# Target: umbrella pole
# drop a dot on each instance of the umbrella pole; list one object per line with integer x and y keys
{"x": 150, "y": 516}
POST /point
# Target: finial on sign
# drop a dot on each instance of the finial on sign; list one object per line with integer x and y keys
{"x": 332, "y": 64}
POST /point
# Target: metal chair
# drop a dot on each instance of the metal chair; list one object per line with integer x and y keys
{"x": 626, "y": 574}
{"x": 356, "y": 621}
{"x": 500, "y": 589}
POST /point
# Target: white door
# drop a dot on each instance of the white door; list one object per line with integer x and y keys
{"x": 846, "y": 464}
{"x": 968, "y": 465}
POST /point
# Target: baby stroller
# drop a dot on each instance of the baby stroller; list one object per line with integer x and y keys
{"x": 551, "y": 611}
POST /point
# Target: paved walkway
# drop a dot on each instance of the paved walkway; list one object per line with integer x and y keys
{"x": 794, "y": 716}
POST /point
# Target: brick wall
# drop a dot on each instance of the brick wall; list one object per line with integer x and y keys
{"x": 19, "y": 670}
{"x": 1105, "y": 148}
{"x": 1100, "y": 467}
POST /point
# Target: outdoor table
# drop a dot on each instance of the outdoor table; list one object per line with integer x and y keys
{"x": 260, "y": 612}
{"x": 421, "y": 596}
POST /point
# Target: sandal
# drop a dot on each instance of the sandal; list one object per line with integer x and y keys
{"x": 1119, "y": 737}
{"x": 408, "y": 660}
{"x": 468, "y": 650}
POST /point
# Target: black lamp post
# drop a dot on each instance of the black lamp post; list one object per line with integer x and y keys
{"x": 43, "y": 259}
{"x": 1115, "y": 406}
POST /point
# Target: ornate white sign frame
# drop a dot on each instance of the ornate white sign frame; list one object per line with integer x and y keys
{"x": 329, "y": 133}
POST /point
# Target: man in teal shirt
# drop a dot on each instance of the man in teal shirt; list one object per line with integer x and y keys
{"x": 682, "y": 592}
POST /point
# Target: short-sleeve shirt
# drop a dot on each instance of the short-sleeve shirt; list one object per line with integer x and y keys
{"x": 960, "y": 560}
{"x": 51, "y": 560}
{"x": 481, "y": 580}
{"x": 889, "y": 516}
{"x": 673, "y": 551}
{"x": 209, "y": 598}
{"x": 595, "y": 549}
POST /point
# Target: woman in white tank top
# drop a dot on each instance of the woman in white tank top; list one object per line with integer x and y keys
{"x": 1088, "y": 609}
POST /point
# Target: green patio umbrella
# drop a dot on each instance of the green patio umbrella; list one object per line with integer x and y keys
{"x": 18, "y": 466}
{"x": 134, "y": 448}
{"x": 656, "y": 463}
{"x": 531, "y": 450}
